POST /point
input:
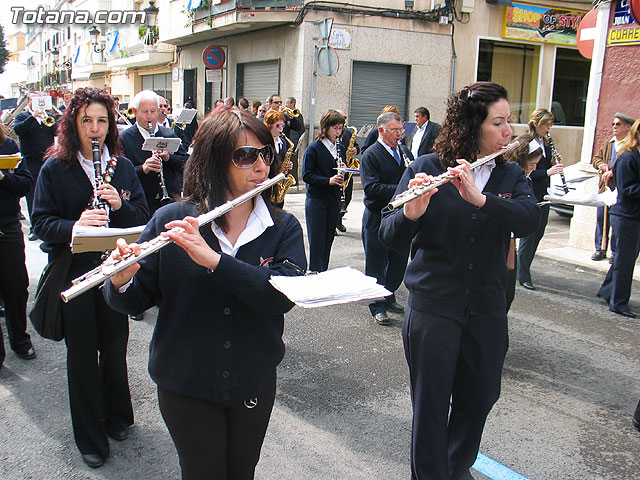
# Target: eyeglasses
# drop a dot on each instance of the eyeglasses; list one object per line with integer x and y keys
{"x": 245, "y": 157}
{"x": 616, "y": 124}
{"x": 164, "y": 106}
{"x": 395, "y": 130}
{"x": 277, "y": 102}
{"x": 279, "y": 125}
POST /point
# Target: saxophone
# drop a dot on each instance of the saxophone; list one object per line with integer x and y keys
{"x": 350, "y": 161}
{"x": 289, "y": 181}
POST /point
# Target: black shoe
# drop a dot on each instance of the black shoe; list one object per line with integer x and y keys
{"x": 28, "y": 355}
{"x": 137, "y": 318}
{"x": 624, "y": 314}
{"x": 611, "y": 259}
{"x": 382, "y": 319}
{"x": 32, "y": 237}
{"x": 93, "y": 460}
{"x": 119, "y": 435}
{"x": 21, "y": 216}
{"x": 1, "y": 310}
{"x": 636, "y": 423}
{"x": 528, "y": 285}
{"x": 341, "y": 227}
{"x": 395, "y": 307}
{"x": 599, "y": 255}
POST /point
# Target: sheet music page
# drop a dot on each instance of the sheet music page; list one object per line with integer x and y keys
{"x": 99, "y": 239}
{"x": 333, "y": 287}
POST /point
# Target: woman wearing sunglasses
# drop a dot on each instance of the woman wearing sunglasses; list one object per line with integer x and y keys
{"x": 218, "y": 336}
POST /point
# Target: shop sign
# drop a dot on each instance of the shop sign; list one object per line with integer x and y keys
{"x": 624, "y": 30}
{"x": 536, "y": 23}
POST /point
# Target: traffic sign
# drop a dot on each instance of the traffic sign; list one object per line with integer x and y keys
{"x": 587, "y": 33}
{"x": 213, "y": 57}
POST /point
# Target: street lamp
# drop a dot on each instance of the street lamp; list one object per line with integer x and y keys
{"x": 56, "y": 56}
{"x": 151, "y": 17}
{"x": 95, "y": 39}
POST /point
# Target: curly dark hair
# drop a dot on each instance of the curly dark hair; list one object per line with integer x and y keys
{"x": 460, "y": 132}
{"x": 67, "y": 128}
{"x": 205, "y": 178}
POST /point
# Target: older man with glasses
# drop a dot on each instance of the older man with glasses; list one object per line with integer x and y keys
{"x": 603, "y": 161}
{"x": 381, "y": 169}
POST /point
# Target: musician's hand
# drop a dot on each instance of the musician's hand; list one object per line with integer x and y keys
{"x": 164, "y": 156}
{"x": 151, "y": 164}
{"x": 93, "y": 218}
{"x": 109, "y": 194}
{"x": 603, "y": 167}
{"x": 606, "y": 176}
{"x": 122, "y": 249}
{"x": 414, "y": 209}
{"x": 555, "y": 169}
{"x": 353, "y": 151}
{"x": 289, "y": 166}
{"x": 337, "y": 179}
{"x": 191, "y": 241}
{"x": 466, "y": 185}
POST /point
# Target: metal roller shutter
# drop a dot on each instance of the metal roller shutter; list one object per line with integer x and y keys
{"x": 375, "y": 85}
{"x": 258, "y": 80}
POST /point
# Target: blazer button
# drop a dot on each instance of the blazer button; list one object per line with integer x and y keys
{"x": 470, "y": 267}
{"x": 225, "y": 374}
{"x": 226, "y": 311}
{"x": 227, "y": 344}
{"x": 474, "y": 216}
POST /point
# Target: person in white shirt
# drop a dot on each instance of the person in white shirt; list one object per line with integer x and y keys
{"x": 425, "y": 134}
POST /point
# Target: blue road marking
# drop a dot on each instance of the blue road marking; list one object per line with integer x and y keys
{"x": 495, "y": 470}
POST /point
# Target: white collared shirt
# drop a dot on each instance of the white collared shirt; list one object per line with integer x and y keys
{"x": 87, "y": 165}
{"x": 417, "y": 139}
{"x": 259, "y": 220}
{"x": 390, "y": 150}
{"x": 144, "y": 132}
{"x": 541, "y": 143}
{"x": 331, "y": 146}
{"x": 481, "y": 174}
{"x": 165, "y": 123}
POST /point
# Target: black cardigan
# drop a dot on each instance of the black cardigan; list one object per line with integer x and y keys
{"x": 626, "y": 171}
{"x": 35, "y": 137}
{"x": 218, "y": 336}
{"x": 459, "y": 251}
{"x": 317, "y": 168}
{"x": 14, "y": 185}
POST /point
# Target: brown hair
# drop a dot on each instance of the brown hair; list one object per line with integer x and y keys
{"x": 633, "y": 138}
{"x": 521, "y": 154}
{"x": 329, "y": 119}
{"x": 271, "y": 117}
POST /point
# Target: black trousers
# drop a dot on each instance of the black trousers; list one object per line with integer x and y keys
{"x": 14, "y": 288}
{"x": 386, "y": 265}
{"x": 214, "y": 442}
{"x": 528, "y": 246}
{"x": 34, "y": 170}
{"x": 322, "y": 217}
{"x": 96, "y": 339}
{"x": 455, "y": 367}
{"x": 600, "y": 231}
{"x": 616, "y": 288}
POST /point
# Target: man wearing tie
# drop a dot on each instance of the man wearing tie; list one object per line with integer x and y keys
{"x": 425, "y": 134}
{"x": 381, "y": 168}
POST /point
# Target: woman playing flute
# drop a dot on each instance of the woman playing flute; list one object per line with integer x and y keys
{"x": 455, "y": 329}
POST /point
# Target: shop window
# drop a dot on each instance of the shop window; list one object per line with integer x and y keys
{"x": 570, "y": 84}
{"x": 515, "y": 67}
{"x": 159, "y": 83}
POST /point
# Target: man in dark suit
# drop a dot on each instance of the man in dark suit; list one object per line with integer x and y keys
{"x": 425, "y": 134}
{"x": 146, "y": 105}
{"x": 381, "y": 168}
{"x": 35, "y": 137}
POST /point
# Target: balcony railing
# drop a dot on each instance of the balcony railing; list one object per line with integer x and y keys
{"x": 207, "y": 10}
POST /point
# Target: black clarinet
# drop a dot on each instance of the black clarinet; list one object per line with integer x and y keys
{"x": 98, "y": 203}
{"x": 554, "y": 156}
{"x": 163, "y": 194}
{"x": 343, "y": 200}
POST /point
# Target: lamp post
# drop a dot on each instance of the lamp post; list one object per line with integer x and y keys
{"x": 150, "y": 20}
{"x": 95, "y": 39}
{"x": 56, "y": 56}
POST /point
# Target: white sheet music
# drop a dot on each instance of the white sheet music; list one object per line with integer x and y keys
{"x": 333, "y": 287}
{"x": 99, "y": 239}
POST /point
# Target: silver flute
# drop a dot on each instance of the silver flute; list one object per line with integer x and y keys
{"x": 419, "y": 190}
{"x": 110, "y": 267}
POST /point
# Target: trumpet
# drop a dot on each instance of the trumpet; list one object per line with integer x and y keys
{"x": 419, "y": 190}
{"x": 163, "y": 194}
{"x": 292, "y": 112}
{"x": 48, "y": 121}
{"x": 110, "y": 267}
{"x": 131, "y": 113}
{"x": 123, "y": 117}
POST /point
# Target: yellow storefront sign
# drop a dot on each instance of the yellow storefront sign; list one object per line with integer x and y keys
{"x": 624, "y": 36}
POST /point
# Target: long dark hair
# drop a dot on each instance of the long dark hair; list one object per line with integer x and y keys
{"x": 206, "y": 175}
{"x": 459, "y": 135}
{"x": 67, "y": 129}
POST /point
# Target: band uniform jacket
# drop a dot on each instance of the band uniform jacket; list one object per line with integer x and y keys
{"x": 380, "y": 175}
{"x": 603, "y": 157}
{"x": 459, "y": 251}
{"x": 35, "y": 137}
{"x": 132, "y": 142}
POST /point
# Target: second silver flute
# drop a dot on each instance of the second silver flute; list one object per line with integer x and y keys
{"x": 109, "y": 268}
{"x": 419, "y": 190}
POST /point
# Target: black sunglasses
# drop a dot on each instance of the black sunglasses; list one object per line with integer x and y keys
{"x": 245, "y": 157}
